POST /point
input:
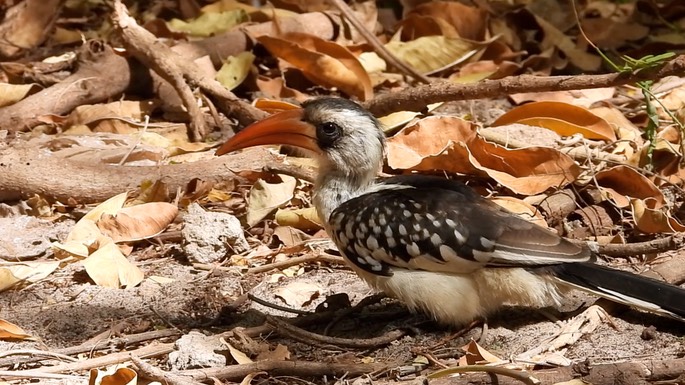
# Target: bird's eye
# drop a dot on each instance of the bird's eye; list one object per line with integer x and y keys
{"x": 327, "y": 133}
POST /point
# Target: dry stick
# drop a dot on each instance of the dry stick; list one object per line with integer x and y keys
{"x": 299, "y": 334}
{"x": 274, "y": 306}
{"x": 650, "y": 372}
{"x": 277, "y": 265}
{"x": 524, "y": 377}
{"x": 417, "y": 98}
{"x": 157, "y": 374}
{"x": 152, "y": 350}
{"x": 98, "y": 345}
{"x": 281, "y": 368}
{"x": 155, "y": 55}
{"x": 36, "y": 352}
{"x": 377, "y": 45}
{"x": 673, "y": 242}
{"x": 38, "y": 374}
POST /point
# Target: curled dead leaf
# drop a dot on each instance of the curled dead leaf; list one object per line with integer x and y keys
{"x": 138, "y": 222}
{"x": 328, "y": 64}
{"x": 10, "y": 331}
{"x": 562, "y": 118}
{"x": 451, "y": 144}
{"x": 623, "y": 182}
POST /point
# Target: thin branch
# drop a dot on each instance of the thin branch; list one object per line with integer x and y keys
{"x": 299, "y": 334}
{"x": 417, "y": 98}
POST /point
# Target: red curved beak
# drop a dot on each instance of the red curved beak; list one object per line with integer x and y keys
{"x": 287, "y": 127}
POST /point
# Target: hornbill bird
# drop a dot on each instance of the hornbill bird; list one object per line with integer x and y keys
{"x": 434, "y": 243}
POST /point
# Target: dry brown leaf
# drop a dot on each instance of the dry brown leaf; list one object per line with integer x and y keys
{"x": 306, "y": 219}
{"x": 10, "y": 331}
{"x": 576, "y": 55}
{"x": 522, "y": 209}
{"x": 138, "y": 222}
{"x": 298, "y": 294}
{"x": 477, "y": 355}
{"x": 273, "y": 106}
{"x": 581, "y": 98}
{"x": 280, "y": 353}
{"x": 415, "y": 26}
{"x": 331, "y": 66}
{"x": 113, "y": 376}
{"x": 470, "y": 22}
{"x": 562, "y": 118}
{"x": 110, "y": 117}
{"x": 651, "y": 219}
{"x": 290, "y": 236}
{"x": 276, "y": 88}
{"x": 451, "y": 144}
{"x": 623, "y": 182}
{"x": 265, "y": 198}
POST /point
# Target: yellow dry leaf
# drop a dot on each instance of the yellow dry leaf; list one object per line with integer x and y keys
{"x": 108, "y": 267}
{"x": 7, "y": 279}
{"x": 477, "y": 355}
{"x": 239, "y": 357}
{"x": 110, "y": 206}
{"x": 235, "y": 69}
{"x": 265, "y": 198}
{"x": 432, "y": 54}
{"x": 12, "y": 93}
{"x": 208, "y": 24}
{"x": 306, "y": 219}
{"x": 12, "y": 273}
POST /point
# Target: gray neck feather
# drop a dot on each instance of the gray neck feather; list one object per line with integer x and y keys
{"x": 335, "y": 186}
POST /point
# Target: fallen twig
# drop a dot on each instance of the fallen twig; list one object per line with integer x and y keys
{"x": 96, "y": 345}
{"x": 277, "y": 307}
{"x": 299, "y": 334}
{"x": 281, "y": 368}
{"x": 663, "y": 372}
{"x": 152, "y": 350}
{"x": 293, "y": 261}
{"x": 157, "y": 374}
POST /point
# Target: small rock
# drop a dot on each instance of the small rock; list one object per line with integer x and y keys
{"x": 209, "y": 236}
{"x": 195, "y": 350}
{"x": 649, "y": 333}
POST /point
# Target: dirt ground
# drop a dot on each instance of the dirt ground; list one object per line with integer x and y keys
{"x": 66, "y": 310}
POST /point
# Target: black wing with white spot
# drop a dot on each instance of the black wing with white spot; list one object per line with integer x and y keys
{"x": 430, "y": 223}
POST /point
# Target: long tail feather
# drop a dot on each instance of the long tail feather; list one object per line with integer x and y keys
{"x": 620, "y": 286}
